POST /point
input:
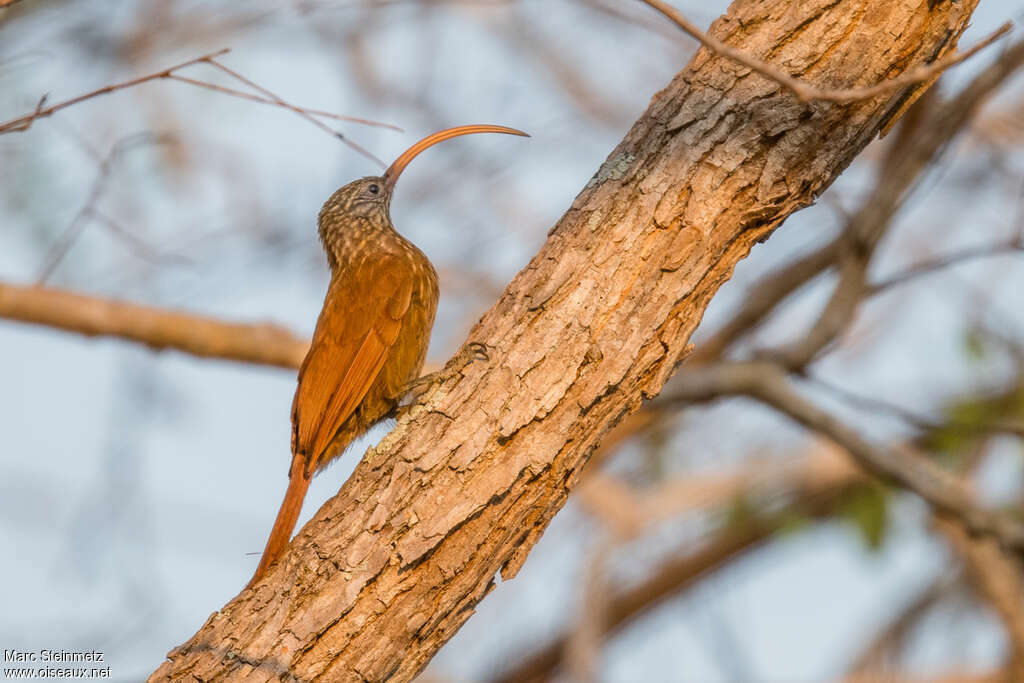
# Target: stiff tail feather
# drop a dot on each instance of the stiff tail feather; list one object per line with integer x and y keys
{"x": 298, "y": 483}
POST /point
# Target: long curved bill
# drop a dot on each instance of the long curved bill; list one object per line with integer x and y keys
{"x": 395, "y": 169}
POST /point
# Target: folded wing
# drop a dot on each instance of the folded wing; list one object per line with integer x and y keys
{"x": 353, "y": 338}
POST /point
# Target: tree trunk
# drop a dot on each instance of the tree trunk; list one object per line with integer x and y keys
{"x": 389, "y": 568}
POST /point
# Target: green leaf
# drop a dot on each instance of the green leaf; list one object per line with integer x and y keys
{"x": 867, "y": 508}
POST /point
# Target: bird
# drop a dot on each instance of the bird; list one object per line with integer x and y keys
{"x": 371, "y": 337}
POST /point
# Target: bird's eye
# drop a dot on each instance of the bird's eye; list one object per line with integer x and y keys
{"x": 373, "y": 189}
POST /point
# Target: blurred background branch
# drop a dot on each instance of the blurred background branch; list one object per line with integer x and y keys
{"x": 263, "y": 343}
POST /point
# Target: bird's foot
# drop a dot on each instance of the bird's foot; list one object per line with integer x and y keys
{"x": 470, "y": 353}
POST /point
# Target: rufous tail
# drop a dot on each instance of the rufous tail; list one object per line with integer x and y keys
{"x": 298, "y": 483}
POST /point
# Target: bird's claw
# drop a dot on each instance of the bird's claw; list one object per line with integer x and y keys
{"x": 470, "y": 353}
{"x": 479, "y": 351}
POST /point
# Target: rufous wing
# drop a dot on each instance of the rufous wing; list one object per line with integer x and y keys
{"x": 359, "y": 324}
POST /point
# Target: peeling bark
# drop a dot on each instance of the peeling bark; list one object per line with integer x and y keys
{"x": 389, "y": 568}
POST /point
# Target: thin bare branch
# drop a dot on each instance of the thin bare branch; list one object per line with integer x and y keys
{"x": 23, "y": 123}
{"x": 298, "y": 110}
{"x": 807, "y": 92}
{"x": 263, "y": 100}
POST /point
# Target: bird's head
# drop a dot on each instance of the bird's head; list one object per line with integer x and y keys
{"x": 370, "y": 198}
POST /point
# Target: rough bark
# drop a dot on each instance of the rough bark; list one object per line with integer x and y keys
{"x": 390, "y": 567}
